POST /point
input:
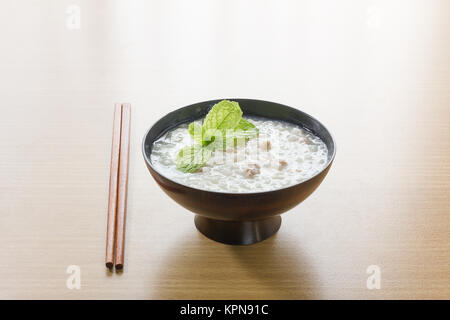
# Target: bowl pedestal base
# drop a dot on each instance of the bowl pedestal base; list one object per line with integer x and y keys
{"x": 238, "y": 232}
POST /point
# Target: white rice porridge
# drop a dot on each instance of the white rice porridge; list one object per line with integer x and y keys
{"x": 282, "y": 155}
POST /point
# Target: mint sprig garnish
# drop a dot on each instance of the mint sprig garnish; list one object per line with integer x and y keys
{"x": 222, "y": 126}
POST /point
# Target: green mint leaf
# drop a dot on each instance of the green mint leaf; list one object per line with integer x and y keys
{"x": 216, "y": 138}
{"x": 223, "y": 115}
{"x": 191, "y": 158}
{"x": 197, "y": 131}
{"x": 243, "y": 131}
{"x": 246, "y": 129}
{"x": 245, "y": 124}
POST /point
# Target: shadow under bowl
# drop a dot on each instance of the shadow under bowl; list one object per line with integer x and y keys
{"x": 238, "y": 218}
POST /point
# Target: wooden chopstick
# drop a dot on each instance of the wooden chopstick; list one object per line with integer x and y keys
{"x": 113, "y": 183}
{"x": 123, "y": 185}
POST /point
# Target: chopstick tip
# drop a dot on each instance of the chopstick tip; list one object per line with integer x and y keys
{"x": 119, "y": 266}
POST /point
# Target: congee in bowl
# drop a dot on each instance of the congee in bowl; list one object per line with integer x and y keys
{"x": 238, "y": 164}
{"x": 228, "y": 151}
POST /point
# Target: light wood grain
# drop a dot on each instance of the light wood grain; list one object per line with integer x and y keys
{"x": 376, "y": 73}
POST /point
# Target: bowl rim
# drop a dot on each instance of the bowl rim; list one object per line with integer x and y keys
{"x": 149, "y": 163}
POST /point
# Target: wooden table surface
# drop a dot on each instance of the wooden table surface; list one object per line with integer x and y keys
{"x": 376, "y": 73}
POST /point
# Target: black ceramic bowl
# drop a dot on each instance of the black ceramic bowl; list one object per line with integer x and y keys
{"x": 238, "y": 218}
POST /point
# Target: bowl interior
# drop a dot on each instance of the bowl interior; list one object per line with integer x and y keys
{"x": 253, "y": 107}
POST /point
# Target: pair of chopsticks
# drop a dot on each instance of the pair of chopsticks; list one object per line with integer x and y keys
{"x": 118, "y": 185}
